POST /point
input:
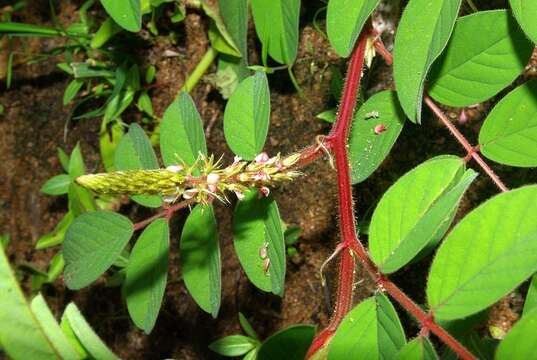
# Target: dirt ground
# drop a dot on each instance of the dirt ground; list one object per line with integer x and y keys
{"x": 32, "y": 128}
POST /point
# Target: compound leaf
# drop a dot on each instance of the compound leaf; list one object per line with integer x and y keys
{"x": 423, "y": 32}
{"x": 371, "y": 330}
{"x": 509, "y": 134}
{"x": 290, "y": 344}
{"x": 146, "y": 276}
{"x": 276, "y": 24}
{"x": 247, "y": 116}
{"x": 489, "y": 253}
{"x": 525, "y": 12}
{"x": 127, "y": 13}
{"x": 418, "y": 349}
{"x": 134, "y": 152}
{"x": 258, "y": 236}
{"x": 344, "y": 22}
{"x": 416, "y": 210}
{"x": 520, "y": 341}
{"x": 92, "y": 244}
{"x": 200, "y": 258}
{"x": 181, "y": 134}
{"x": 367, "y": 149}
{"x": 486, "y": 53}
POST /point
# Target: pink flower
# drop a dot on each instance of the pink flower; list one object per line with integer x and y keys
{"x": 262, "y": 158}
{"x": 213, "y": 179}
{"x": 190, "y": 193}
{"x": 261, "y": 176}
{"x": 212, "y": 188}
{"x": 265, "y": 191}
{"x": 175, "y": 168}
{"x": 236, "y": 159}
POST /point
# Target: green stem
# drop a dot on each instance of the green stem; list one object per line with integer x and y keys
{"x": 472, "y": 5}
{"x": 200, "y": 70}
{"x": 295, "y": 82}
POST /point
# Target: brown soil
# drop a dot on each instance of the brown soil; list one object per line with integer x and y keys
{"x": 32, "y": 128}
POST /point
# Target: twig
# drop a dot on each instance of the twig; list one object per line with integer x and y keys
{"x": 168, "y": 212}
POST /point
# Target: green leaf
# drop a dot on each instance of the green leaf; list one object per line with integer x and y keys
{"x": 76, "y": 163}
{"x": 219, "y": 28}
{"x": 258, "y": 236}
{"x": 489, "y": 253}
{"x": 147, "y": 272}
{"x": 105, "y": 32}
{"x": 276, "y": 24}
{"x": 486, "y": 53}
{"x": 371, "y": 330}
{"x": 145, "y": 104}
{"x": 23, "y": 338}
{"x": 21, "y": 29}
{"x": 418, "y": 349}
{"x": 345, "y": 20}
{"x": 247, "y": 116}
{"x": 367, "y": 149}
{"x": 233, "y": 345}
{"x": 80, "y": 200}
{"x": 134, "y": 152}
{"x": 416, "y": 210}
{"x": 71, "y": 90}
{"x": 127, "y": 13}
{"x": 248, "y": 329}
{"x": 56, "y": 236}
{"x": 525, "y": 12}
{"x": 200, "y": 258}
{"x": 423, "y": 32}
{"x": 219, "y": 43}
{"x": 509, "y": 134}
{"x": 52, "y": 329}
{"x": 92, "y": 243}
{"x": 109, "y": 137}
{"x": 531, "y": 297}
{"x": 56, "y": 185}
{"x": 520, "y": 341}
{"x": 64, "y": 159}
{"x": 85, "y": 334}
{"x": 290, "y": 344}
{"x": 329, "y": 115}
{"x": 235, "y": 16}
{"x": 181, "y": 134}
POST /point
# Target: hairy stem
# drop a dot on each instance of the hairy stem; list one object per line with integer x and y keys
{"x": 337, "y": 142}
{"x": 167, "y": 212}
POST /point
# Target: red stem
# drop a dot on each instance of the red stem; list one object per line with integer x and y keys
{"x": 168, "y": 212}
{"x": 337, "y": 142}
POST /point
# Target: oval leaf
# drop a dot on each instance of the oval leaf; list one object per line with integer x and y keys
{"x": 344, "y": 22}
{"x": 418, "y": 349}
{"x": 415, "y": 210}
{"x": 127, "y": 13}
{"x": 486, "y": 53}
{"x": 56, "y": 185}
{"x": 520, "y": 341}
{"x": 290, "y": 344}
{"x": 509, "y": 134}
{"x": 276, "y": 24}
{"x": 490, "y": 252}
{"x": 233, "y": 345}
{"x": 423, "y": 32}
{"x": 525, "y": 13}
{"x": 147, "y": 272}
{"x": 371, "y": 330}
{"x": 258, "y": 236}
{"x": 181, "y": 134}
{"x": 200, "y": 258}
{"x": 134, "y": 152}
{"x": 247, "y": 116}
{"x": 367, "y": 149}
{"x": 92, "y": 244}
